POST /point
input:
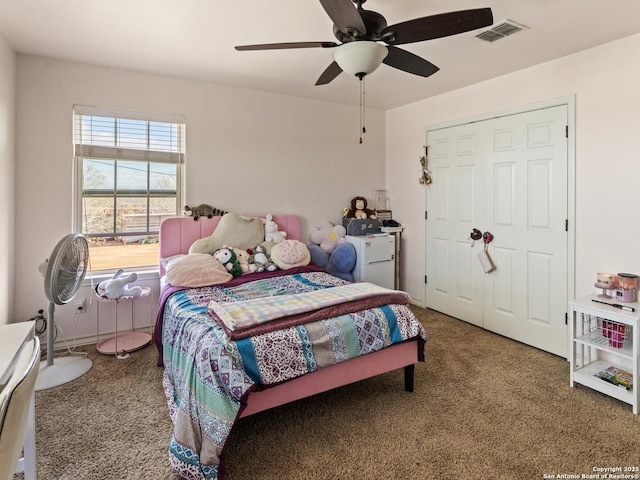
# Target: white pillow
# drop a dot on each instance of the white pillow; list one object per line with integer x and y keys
{"x": 196, "y": 270}
{"x": 234, "y": 230}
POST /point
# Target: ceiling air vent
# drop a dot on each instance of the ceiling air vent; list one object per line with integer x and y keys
{"x": 501, "y": 30}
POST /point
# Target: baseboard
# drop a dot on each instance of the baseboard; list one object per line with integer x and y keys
{"x": 417, "y": 303}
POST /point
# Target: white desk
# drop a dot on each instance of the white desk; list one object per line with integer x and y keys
{"x": 12, "y": 337}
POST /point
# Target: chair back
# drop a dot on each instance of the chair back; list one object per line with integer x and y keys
{"x": 15, "y": 401}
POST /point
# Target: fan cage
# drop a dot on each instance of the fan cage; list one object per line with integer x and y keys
{"x": 66, "y": 268}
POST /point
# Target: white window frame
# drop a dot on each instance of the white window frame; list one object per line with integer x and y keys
{"x": 85, "y": 150}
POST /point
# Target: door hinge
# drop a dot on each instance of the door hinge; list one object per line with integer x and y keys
{"x": 566, "y": 225}
{"x": 566, "y": 318}
{"x": 425, "y": 279}
{"x": 425, "y": 214}
{"x": 566, "y": 131}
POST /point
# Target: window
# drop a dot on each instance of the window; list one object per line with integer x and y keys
{"x": 128, "y": 176}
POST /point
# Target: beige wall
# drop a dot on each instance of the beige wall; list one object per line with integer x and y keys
{"x": 298, "y": 155}
{"x": 605, "y": 83}
{"x": 7, "y": 181}
{"x": 247, "y": 151}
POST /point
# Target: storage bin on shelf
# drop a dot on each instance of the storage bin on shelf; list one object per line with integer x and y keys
{"x": 605, "y": 332}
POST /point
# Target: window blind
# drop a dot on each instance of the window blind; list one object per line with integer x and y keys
{"x": 102, "y": 133}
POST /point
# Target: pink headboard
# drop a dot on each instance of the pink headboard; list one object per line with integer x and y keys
{"x": 178, "y": 234}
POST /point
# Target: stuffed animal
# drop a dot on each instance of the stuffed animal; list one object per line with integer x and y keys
{"x": 227, "y": 257}
{"x": 202, "y": 210}
{"x": 233, "y": 229}
{"x": 116, "y": 286}
{"x": 243, "y": 259}
{"x": 340, "y": 263}
{"x": 359, "y": 209}
{"x": 328, "y": 235}
{"x": 271, "y": 233}
{"x": 259, "y": 261}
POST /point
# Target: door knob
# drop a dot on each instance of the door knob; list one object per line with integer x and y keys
{"x": 487, "y": 238}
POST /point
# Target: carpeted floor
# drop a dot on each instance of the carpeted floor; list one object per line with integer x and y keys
{"x": 483, "y": 407}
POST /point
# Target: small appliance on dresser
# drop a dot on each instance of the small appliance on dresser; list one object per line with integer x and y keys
{"x": 375, "y": 259}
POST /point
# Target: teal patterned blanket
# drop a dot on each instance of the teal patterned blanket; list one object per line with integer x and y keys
{"x": 208, "y": 376}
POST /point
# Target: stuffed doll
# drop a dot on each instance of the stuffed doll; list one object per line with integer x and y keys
{"x": 271, "y": 233}
{"x": 259, "y": 261}
{"x": 116, "y": 286}
{"x": 243, "y": 259}
{"x": 359, "y": 209}
{"x": 227, "y": 257}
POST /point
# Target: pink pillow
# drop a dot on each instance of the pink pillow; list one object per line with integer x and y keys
{"x": 196, "y": 270}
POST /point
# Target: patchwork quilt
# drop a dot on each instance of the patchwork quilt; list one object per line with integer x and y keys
{"x": 208, "y": 375}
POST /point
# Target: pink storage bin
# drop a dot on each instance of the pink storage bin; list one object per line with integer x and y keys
{"x": 617, "y": 335}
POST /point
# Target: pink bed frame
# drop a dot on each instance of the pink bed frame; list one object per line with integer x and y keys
{"x": 176, "y": 236}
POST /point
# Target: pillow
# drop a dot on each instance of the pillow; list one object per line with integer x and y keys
{"x": 196, "y": 270}
{"x": 289, "y": 254}
{"x": 234, "y": 230}
{"x": 165, "y": 261}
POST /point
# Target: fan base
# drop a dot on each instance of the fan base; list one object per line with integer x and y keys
{"x": 63, "y": 370}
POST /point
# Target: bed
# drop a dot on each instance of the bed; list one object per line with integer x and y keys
{"x": 214, "y": 376}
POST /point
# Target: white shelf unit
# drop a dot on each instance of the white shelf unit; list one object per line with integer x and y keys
{"x": 592, "y": 351}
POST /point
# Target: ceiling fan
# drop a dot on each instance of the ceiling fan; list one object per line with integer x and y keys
{"x": 360, "y": 30}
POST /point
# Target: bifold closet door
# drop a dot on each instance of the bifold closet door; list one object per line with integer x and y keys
{"x": 507, "y": 176}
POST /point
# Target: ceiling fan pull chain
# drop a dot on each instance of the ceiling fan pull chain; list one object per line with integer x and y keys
{"x": 362, "y": 107}
{"x": 364, "y": 130}
{"x": 360, "y": 110}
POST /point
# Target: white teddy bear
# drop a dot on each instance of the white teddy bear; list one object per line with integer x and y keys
{"x": 271, "y": 233}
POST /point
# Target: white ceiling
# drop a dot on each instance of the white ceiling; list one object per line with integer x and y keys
{"x": 195, "y": 38}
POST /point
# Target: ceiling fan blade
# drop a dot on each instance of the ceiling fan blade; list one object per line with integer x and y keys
{"x": 278, "y": 46}
{"x": 409, "y": 62}
{"x": 437, "y": 26}
{"x": 329, "y": 74}
{"x": 345, "y": 16}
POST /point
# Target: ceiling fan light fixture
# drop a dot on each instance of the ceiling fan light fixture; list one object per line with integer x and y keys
{"x": 360, "y": 58}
